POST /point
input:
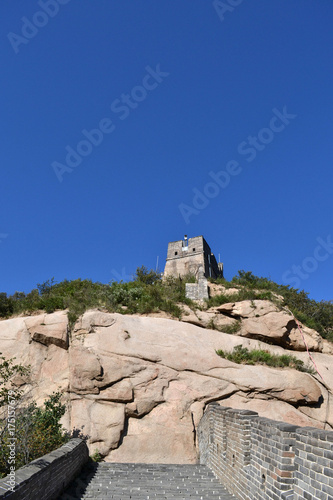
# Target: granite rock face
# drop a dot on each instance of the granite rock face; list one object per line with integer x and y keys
{"x": 137, "y": 386}
{"x": 263, "y": 320}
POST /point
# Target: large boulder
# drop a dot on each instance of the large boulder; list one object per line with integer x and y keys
{"x": 247, "y": 308}
{"x": 264, "y": 320}
{"x": 49, "y": 329}
{"x": 272, "y": 409}
{"x": 301, "y": 337}
{"x": 206, "y": 319}
{"x": 137, "y": 386}
{"x": 272, "y": 327}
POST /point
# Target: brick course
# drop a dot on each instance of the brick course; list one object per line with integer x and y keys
{"x": 264, "y": 459}
{"x": 253, "y": 457}
{"x": 47, "y": 477}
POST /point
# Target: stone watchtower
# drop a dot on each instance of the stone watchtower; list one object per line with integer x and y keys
{"x": 193, "y": 256}
{"x": 189, "y": 255}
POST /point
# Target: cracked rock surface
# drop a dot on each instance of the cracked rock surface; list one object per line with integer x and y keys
{"x": 138, "y": 386}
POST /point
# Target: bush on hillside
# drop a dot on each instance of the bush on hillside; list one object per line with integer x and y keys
{"x": 8, "y": 370}
{"x": 144, "y": 294}
{"x": 31, "y": 430}
{"x": 242, "y": 355}
{"x": 316, "y": 315}
{"x": 147, "y": 293}
{"x": 37, "y": 431}
{"x": 6, "y": 306}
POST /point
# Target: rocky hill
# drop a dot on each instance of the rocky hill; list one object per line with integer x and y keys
{"x": 137, "y": 385}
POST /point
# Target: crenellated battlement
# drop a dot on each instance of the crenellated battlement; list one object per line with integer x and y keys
{"x": 262, "y": 459}
{"x": 189, "y": 255}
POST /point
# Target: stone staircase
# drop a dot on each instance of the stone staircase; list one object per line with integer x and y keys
{"x": 145, "y": 481}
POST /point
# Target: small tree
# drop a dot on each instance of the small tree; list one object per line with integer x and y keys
{"x": 8, "y": 369}
{"x": 148, "y": 277}
{"x": 37, "y": 432}
{"x": 6, "y": 305}
{"x": 34, "y": 431}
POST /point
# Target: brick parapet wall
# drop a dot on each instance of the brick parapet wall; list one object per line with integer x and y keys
{"x": 47, "y": 477}
{"x": 313, "y": 464}
{"x": 272, "y": 458}
{"x": 259, "y": 458}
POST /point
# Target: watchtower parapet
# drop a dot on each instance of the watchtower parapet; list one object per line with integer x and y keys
{"x": 189, "y": 255}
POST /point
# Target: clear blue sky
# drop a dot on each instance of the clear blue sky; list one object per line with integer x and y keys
{"x": 183, "y": 91}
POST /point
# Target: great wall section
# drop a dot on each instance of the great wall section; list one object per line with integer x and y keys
{"x": 170, "y": 417}
{"x": 252, "y": 458}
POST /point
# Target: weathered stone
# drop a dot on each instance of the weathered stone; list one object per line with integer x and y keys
{"x": 90, "y": 320}
{"x": 49, "y": 329}
{"x": 288, "y": 385}
{"x": 217, "y": 289}
{"x": 273, "y": 325}
{"x": 102, "y": 422}
{"x": 121, "y": 392}
{"x": 248, "y": 308}
{"x": 189, "y": 316}
{"x": 165, "y": 435}
{"x": 327, "y": 347}
{"x": 312, "y": 339}
{"x": 197, "y": 410}
{"x": 85, "y": 370}
{"x": 144, "y": 381}
{"x": 272, "y": 408}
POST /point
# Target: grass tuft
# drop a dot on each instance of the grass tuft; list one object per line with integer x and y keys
{"x": 242, "y": 355}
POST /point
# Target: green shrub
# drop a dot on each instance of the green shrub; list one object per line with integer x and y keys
{"x": 231, "y": 329}
{"x": 242, "y": 355}
{"x": 37, "y": 432}
{"x": 147, "y": 292}
{"x": 6, "y": 306}
{"x": 146, "y": 276}
{"x": 8, "y": 369}
{"x": 96, "y": 456}
{"x": 316, "y": 315}
{"x": 242, "y": 294}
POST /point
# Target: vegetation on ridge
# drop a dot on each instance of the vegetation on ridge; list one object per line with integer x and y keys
{"x": 316, "y": 315}
{"x": 147, "y": 293}
{"x": 38, "y": 430}
{"x": 27, "y": 431}
{"x": 242, "y": 355}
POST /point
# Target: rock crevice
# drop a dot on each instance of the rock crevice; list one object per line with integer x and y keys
{"x": 137, "y": 386}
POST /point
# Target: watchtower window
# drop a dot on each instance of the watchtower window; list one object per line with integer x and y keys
{"x": 176, "y": 253}
{"x": 193, "y": 249}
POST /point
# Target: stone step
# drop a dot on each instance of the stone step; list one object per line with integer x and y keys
{"x": 146, "y": 482}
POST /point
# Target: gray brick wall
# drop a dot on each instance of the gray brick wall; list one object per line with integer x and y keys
{"x": 313, "y": 464}
{"x": 272, "y": 458}
{"x": 48, "y": 476}
{"x": 197, "y": 291}
{"x": 259, "y": 458}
